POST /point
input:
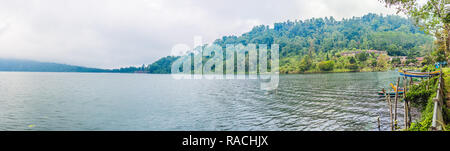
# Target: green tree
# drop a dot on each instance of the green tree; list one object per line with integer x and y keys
{"x": 326, "y": 65}
{"x": 352, "y": 60}
{"x": 427, "y": 60}
{"x": 352, "y": 67}
{"x": 362, "y": 56}
{"x": 352, "y": 64}
{"x": 305, "y": 63}
{"x": 382, "y": 61}
{"x": 396, "y": 61}
{"x": 439, "y": 55}
{"x": 432, "y": 17}
{"x": 373, "y": 62}
{"x": 408, "y": 61}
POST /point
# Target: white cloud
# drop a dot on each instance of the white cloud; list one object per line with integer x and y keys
{"x": 114, "y": 33}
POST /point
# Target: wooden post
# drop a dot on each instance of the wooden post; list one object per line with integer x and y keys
{"x": 405, "y": 80}
{"x": 411, "y": 81}
{"x": 408, "y": 103}
{"x": 379, "y": 123}
{"x": 390, "y": 110}
{"x": 428, "y": 81}
{"x": 409, "y": 113}
{"x": 396, "y": 100}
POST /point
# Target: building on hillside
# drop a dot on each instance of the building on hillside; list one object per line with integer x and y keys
{"x": 377, "y": 52}
{"x": 353, "y": 53}
{"x": 420, "y": 60}
{"x": 402, "y": 58}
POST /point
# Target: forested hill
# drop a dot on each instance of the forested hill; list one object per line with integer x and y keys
{"x": 395, "y": 34}
{"x": 162, "y": 66}
{"x": 35, "y": 66}
{"x": 323, "y": 38}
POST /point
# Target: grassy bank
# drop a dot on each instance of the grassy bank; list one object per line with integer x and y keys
{"x": 365, "y": 69}
{"x": 422, "y": 98}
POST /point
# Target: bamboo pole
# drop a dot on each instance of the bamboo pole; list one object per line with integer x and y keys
{"x": 405, "y": 102}
{"x": 396, "y": 100}
{"x": 408, "y": 102}
{"x": 428, "y": 77}
{"x": 379, "y": 123}
{"x": 390, "y": 110}
{"x": 409, "y": 114}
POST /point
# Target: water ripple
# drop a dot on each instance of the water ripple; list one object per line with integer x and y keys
{"x": 74, "y": 101}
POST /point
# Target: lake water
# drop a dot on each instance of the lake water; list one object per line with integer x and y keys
{"x": 102, "y": 101}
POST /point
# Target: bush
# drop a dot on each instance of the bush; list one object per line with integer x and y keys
{"x": 362, "y": 56}
{"x": 419, "y": 93}
{"x": 428, "y": 68}
{"x": 396, "y": 61}
{"x": 326, "y": 65}
{"x": 352, "y": 60}
{"x": 422, "y": 98}
{"x": 352, "y": 67}
{"x": 425, "y": 121}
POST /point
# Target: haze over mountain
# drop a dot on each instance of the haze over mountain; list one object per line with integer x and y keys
{"x": 35, "y": 66}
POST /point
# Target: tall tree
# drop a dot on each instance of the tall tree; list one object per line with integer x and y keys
{"x": 431, "y": 16}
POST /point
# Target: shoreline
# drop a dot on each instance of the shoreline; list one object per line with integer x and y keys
{"x": 308, "y": 72}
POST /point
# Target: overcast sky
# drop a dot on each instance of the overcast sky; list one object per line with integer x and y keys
{"x": 117, "y": 33}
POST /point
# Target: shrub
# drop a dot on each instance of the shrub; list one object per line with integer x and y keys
{"x": 352, "y": 67}
{"x": 422, "y": 98}
{"x": 419, "y": 93}
{"x": 425, "y": 121}
{"x": 326, "y": 65}
{"x": 362, "y": 56}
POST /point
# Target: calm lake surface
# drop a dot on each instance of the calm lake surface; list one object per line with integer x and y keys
{"x": 102, "y": 101}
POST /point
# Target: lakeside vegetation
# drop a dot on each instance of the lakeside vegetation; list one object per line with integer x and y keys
{"x": 432, "y": 17}
{"x": 161, "y": 66}
{"x": 421, "y": 96}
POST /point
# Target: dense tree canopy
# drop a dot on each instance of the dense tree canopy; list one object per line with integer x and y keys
{"x": 305, "y": 44}
{"x": 162, "y": 66}
{"x": 394, "y": 34}
{"x": 432, "y": 16}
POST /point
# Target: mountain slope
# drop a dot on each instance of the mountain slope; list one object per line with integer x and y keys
{"x": 322, "y": 39}
{"x": 395, "y": 34}
{"x": 35, "y": 66}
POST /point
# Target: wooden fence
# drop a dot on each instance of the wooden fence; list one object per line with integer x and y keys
{"x": 438, "y": 120}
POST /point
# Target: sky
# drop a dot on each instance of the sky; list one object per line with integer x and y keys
{"x": 118, "y": 33}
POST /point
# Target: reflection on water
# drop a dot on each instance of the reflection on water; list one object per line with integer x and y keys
{"x": 88, "y": 101}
